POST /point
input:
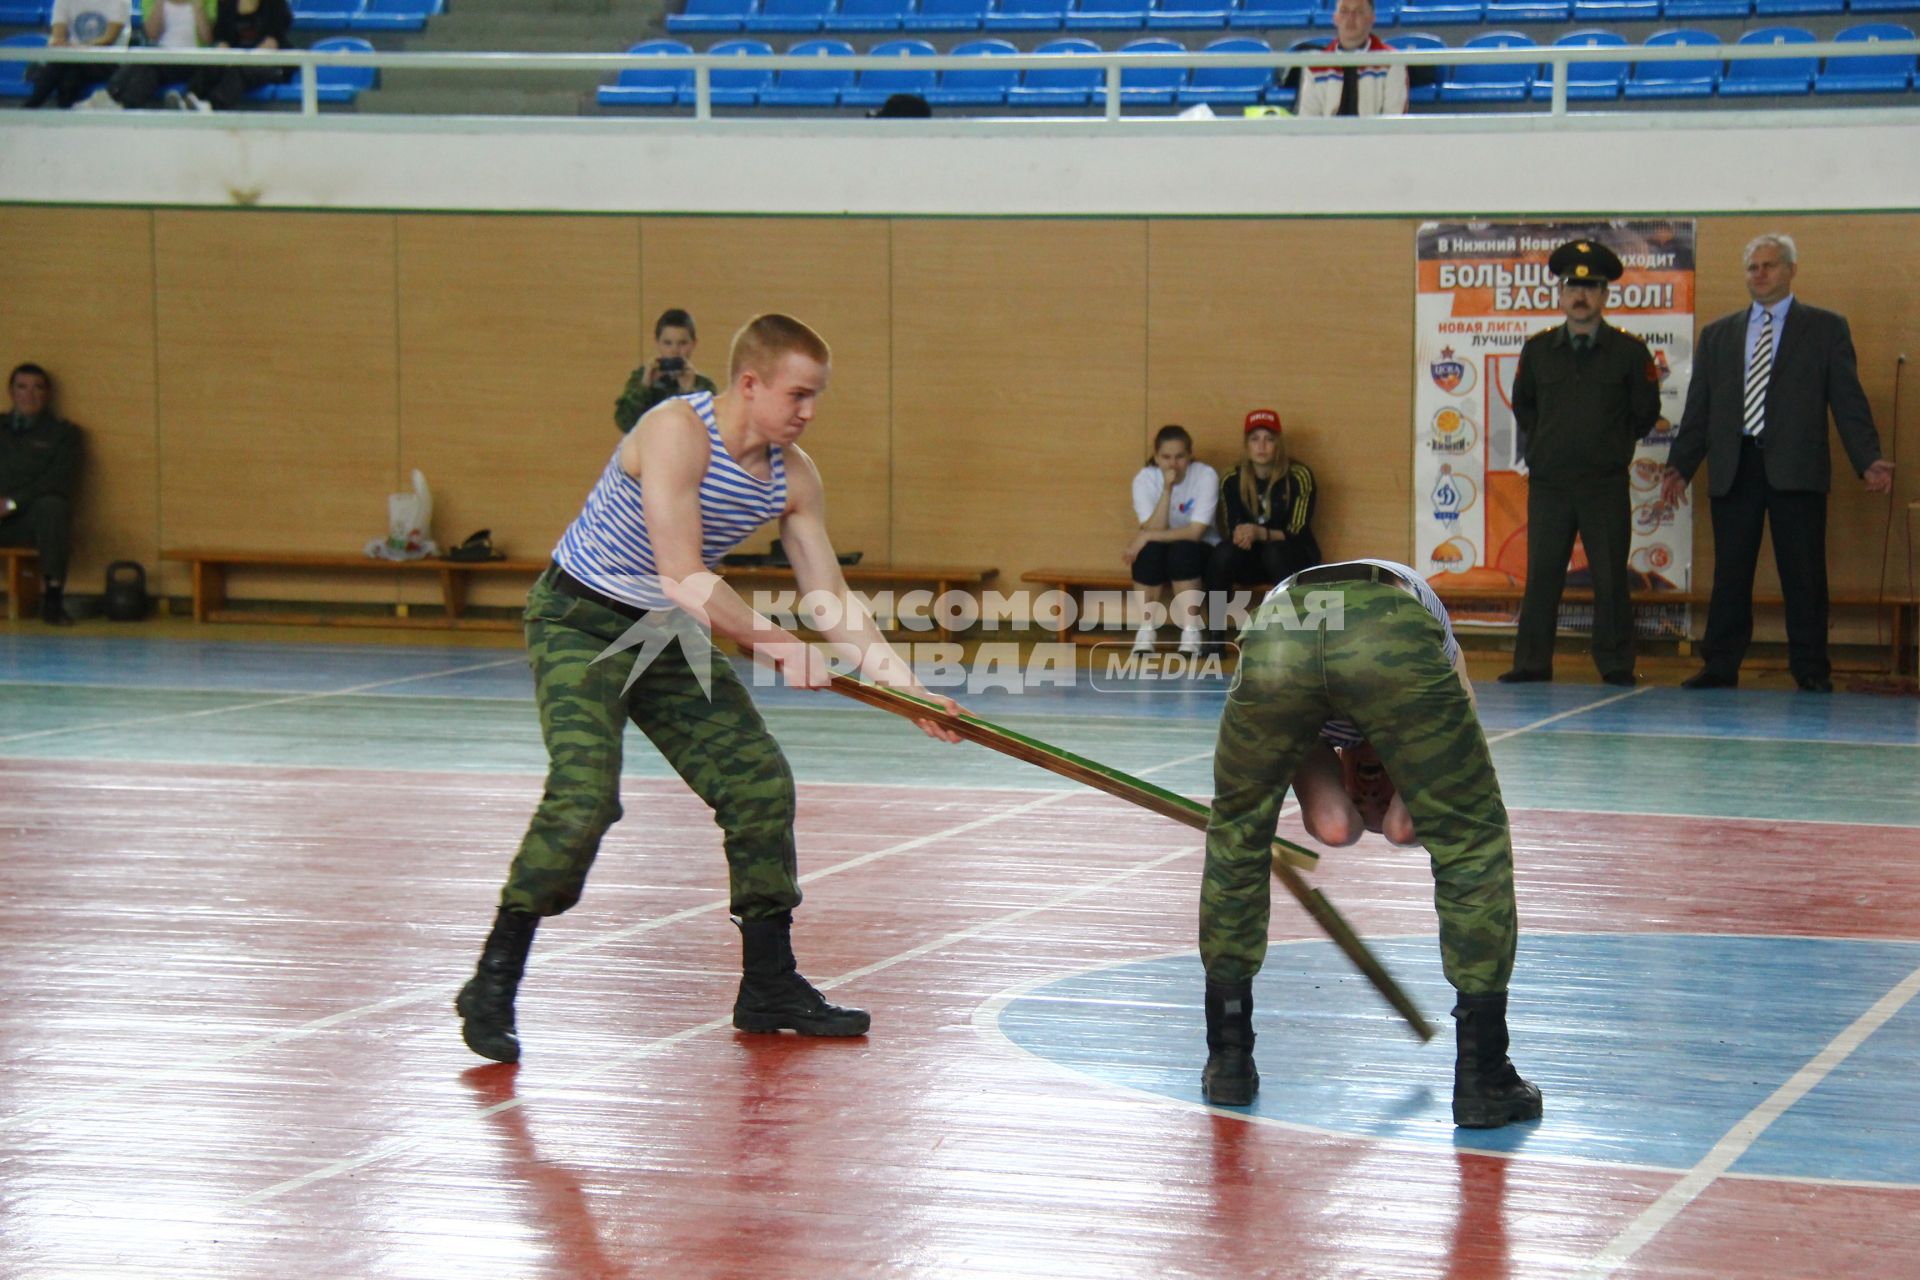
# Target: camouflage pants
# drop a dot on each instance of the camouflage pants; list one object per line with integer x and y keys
{"x": 720, "y": 746}
{"x": 1385, "y": 668}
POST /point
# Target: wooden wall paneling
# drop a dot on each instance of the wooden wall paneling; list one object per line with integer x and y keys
{"x": 1019, "y": 392}
{"x": 1310, "y": 318}
{"x": 277, "y": 388}
{"x": 516, "y": 335}
{"x": 831, "y": 273}
{"x": 80, "y": 304}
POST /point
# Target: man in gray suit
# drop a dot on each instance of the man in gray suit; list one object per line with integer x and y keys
{"x": 1764, "y": 379}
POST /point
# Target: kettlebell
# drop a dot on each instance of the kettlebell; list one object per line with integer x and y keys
{"x": 126, "y": 594}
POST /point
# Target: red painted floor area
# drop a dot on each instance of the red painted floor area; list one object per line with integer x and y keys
{"x": 228, "y": 1049}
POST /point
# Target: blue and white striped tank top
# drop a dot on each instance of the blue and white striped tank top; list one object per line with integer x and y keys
{"x": 607, "y": 546}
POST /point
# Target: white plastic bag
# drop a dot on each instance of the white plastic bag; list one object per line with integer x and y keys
{"x": 409, "y": 525}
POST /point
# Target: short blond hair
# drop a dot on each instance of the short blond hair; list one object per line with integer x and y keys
{"x": 766, "y": 339}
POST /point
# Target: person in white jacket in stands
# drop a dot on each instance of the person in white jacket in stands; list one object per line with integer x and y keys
{"x": 1353, "y": 91}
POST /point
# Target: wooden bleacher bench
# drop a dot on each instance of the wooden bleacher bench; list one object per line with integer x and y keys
{"x": 938, "y": 579}
{"x": 22, "y": 580}
{"x": 210, "y": 569}
{"x": 1076, "y": 583}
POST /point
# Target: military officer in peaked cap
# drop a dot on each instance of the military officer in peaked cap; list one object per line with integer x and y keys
{"x": 1583, "y": 396}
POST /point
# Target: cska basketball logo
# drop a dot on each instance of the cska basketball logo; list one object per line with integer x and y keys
{"x": 1448, "y": 372}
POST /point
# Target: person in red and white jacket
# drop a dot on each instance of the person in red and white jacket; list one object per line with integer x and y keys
{"x": 1353, "y": 91}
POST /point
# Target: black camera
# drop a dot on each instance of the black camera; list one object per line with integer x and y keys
{"x": 666, "y": 371}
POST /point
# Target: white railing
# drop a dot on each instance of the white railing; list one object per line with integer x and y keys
{"x": 1556, "y": 57}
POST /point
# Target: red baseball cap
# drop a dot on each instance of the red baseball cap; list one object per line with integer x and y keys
{"x": 1263, "y": 420}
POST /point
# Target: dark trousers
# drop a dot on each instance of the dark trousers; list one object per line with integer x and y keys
{"x": 1600, "y": 511}
{"x": 45, "y": 524}
{"x": 1799, "y": 521}
{"x": 138, "y": 84}
{"x": 64, "y": 83}
{"x": 224, "y": 87}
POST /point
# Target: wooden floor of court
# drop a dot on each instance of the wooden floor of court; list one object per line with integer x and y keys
{"x": 245, "y": 880}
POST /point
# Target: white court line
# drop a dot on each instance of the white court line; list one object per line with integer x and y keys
{"x": 1557, "y": 717}
{"x": 1655, "y": 1217}
{"x": 439, "y": 992}
{"x": 286, "y": 700}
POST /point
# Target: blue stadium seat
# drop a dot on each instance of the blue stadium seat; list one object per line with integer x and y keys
{"x": 395, "y": 15}
{"x": 1754, "y": 77}
{"x": 875, "y": 87}
{"x": 1587, "y": 81}
{"x": 1385, "y": 13}
{"x": 1491, "y": 82}
{"x": 1188, "y": 15}
{"x": 795, "y": 16}
{"x": 1064, "y": 87}
{"x": 1107, "y": 15}
{"x": 868, "y": 15}
{"x": 13, "y": 75}
{"x": 1675, "y": 79}
{"x": 333, "y": 84}
{"x": 1423, "y": 83}
{"x": 1229, "y": 86}
{"x": 1883, "y": 6}
{"x": 1026, "y": 15}
{"x": 1679, "y": 10}
{"x": 1261, "y": 15}
{"x": 946, "y": 15}
{"x": 1154, "y": 85}
{"x": 1528, "y": 11}
{"x": 735, "y": 88}
{"x": 1616, "y": 10}
{"x": 1796, "y": 8}
{"x": 1439, "y": 13}
{"x": 708, "y": 16}
{"x": 26, "y": 13}
{"x": 812, "y": 87}
{"x": 324, "y": 15}
{"x": 641, "y": 87}
{"x": 976, "y": 87}
{"x": 1871, "y": 73}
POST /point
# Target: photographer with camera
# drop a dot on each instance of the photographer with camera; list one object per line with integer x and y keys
{"x": 669, "y": 374}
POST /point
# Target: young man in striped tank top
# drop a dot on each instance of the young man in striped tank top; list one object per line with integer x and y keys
{"x": 694, "y": 478}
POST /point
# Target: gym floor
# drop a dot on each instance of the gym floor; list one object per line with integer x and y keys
{"x": 246, "y": 877}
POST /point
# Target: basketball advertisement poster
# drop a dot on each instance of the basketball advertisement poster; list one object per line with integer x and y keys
{"x": 1483, "y": 290}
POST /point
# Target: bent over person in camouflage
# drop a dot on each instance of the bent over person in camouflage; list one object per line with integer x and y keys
{"x": 617, "y": 631}
{"x": 1358, "y": 656}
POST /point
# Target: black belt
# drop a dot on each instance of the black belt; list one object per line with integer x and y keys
{"x": 566, "y": 584}
{"x": 1349, "y": 571}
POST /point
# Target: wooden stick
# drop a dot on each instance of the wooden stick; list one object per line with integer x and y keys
{"x": 1158, "y": 800}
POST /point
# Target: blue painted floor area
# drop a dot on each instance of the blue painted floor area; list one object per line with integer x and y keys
{"x": 1690, "y": 1033}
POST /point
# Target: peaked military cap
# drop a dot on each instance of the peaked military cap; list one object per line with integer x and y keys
{"x": 1585, "y": 260}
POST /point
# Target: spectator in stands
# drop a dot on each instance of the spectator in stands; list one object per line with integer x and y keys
{"x": 39, "y": 464}
{"x": 1265, "y": 508}
{"x": 1354, "y": 91}
{"x": 98, "y": 24}
{"x": 169, "y": 24}
{"x": 240, "y": 24}
{"x": 1174, "y": 497}
{"x": 902, "y": 106}
{"x": 669, "y": 374}
{"x": 1759, "y": 420}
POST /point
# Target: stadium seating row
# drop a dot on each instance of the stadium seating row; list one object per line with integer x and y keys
{"x": 1229, "y": 86}
{"x": 804, "y": 16}
{"x": 331, "y": 84}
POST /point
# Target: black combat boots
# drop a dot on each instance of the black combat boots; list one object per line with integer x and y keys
{"x": 1487, "y": 1091}
{"x": 773, "y": 995}
{"x": 486, "y": 1003}
{"x": 1229, "y": 1079}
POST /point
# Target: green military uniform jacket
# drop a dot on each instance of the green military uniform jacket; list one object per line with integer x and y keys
{"x": 38, "y": 458}
{"x": 1581, "y": 413}
{"x": 641, "y": 396}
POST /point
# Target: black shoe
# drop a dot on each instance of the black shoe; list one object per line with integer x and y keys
{"x": 1517, "y": 676}
{"x": 1710, "y": 680}
{"x": 774, "y": 997}
{"x": 485, "y": 1004}
{"x": 53, "y": 607}
{"x": 1623, "y": 679}
{"x": 1815, "y": 684}
{"x": 1229, "y": 1078}
{"x": 1487, "y": 1092}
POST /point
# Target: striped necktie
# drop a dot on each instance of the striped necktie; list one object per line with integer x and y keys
{"x": 1757, "y": 374}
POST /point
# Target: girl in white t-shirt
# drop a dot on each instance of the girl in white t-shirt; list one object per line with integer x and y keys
{"x": 1174, "y": 497}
